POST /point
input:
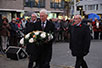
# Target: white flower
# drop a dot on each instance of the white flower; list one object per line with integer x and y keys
{"x": 48, "y": 34}
{"x": 22, "y": 41}
{"x": 37, "y": 33}
{"x": 27, "y": 36}
{"x": 43, "y": 35}
{"x": 50, "y": 37}
{"x": 31, "y": 40}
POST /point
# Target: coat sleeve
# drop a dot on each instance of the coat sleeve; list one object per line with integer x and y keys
{"x": 87, "y": 39}
{"x": 53, "y": 31}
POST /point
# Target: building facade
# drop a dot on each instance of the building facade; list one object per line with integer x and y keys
{"x": 11, "y": 8}
{"x": 55, "y": 7}
{"x": 89, "y": 6}
{"x": 15, "y": 8}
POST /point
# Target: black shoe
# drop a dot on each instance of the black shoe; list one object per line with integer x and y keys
{"x": 35, "y": 66}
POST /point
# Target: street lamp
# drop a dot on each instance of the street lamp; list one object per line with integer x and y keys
{"x": 80, "y": 8}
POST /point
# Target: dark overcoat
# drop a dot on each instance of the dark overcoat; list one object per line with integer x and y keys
{"x": 80, "y": 40}
{"x": 44, "y": 51}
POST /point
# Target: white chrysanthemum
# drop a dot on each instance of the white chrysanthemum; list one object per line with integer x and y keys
{"x": 27, "y": 36}
{"x": 43, "y": 35}
{"x": 22, "y": 41}
{"x": 37, "y": 32}
{"x": 48, "y": 34}
{"x": 50, "y": 37}
{"x": 31, "y": 40}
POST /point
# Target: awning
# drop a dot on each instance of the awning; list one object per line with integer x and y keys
{"x": 58, "y": 11}
{"x": 17, "y": 10}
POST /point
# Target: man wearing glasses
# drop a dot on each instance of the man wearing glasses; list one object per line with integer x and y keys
{"x": 31, "y": 25}
{"x": 31, "y": 49}
{"x": 79, "y": 41}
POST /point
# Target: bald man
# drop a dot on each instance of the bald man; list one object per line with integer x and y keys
{"x": 79, "y": 41}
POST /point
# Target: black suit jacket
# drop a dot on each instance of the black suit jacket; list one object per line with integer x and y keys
{"x": 80, "y": 40}
{"x": 30, "y": 27}
{"x": 44, "y": 50}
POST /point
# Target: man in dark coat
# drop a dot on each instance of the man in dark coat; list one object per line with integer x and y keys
{"x": 42, "y": 54}
{"x": 79, "y": 41}
{"x": 31, "y": 26}
{"x": 31, "y": 48}
{"x": 13, "y": 41}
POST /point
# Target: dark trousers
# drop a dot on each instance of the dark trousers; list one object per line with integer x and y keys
{"x": 42, "y": 65}
{"x": 39, "y": 63}
{"x": 31, "y": 61}
{"x": 96, "y": 35}
{"x": 80, "y": 62}
{"x": 101, "y": 35}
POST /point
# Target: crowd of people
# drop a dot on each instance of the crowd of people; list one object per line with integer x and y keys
{"x": 12, "y": 32}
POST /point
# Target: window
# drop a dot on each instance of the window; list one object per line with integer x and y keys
{"x": 101, "y": 6}
{"x": 96, "y": 6}
{"x": 57, "y": 4}
{"x": 35, "y": 3}
{"x": 91, "y": 7}
{"x": 27, "y": 3}
{"x": 85, "y": 7}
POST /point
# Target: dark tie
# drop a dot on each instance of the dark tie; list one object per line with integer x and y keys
{"x": 42, "y": 25}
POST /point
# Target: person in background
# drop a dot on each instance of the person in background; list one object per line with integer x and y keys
{"x": 23, "y": 21}
{"x": 96, "y": 28}
{"x": 28, "y": 22}
{"x": 5, "y": 33}
{"x": 62, "y": 29}
{"x": 13, "y": 33}
{"x": 89, "y": 23}
{"x": 101, "y": 29}
{"x": 79, "y": 41}
{"x": 19, "y": 23}
{"x": 0, "y": 35}
{"x": 57, "y": 29}
{"x": 65, "y": 27}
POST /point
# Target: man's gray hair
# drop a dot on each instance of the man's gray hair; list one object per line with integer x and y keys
{"x": 34, "y": 14}
{"x": 44, "y": 11}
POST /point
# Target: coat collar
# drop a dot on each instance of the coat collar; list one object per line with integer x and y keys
{"x": 77, "y": 25}
{"x": 46, "y": 25}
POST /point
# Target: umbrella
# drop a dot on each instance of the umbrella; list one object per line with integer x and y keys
{"x": 93, "y": 16}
